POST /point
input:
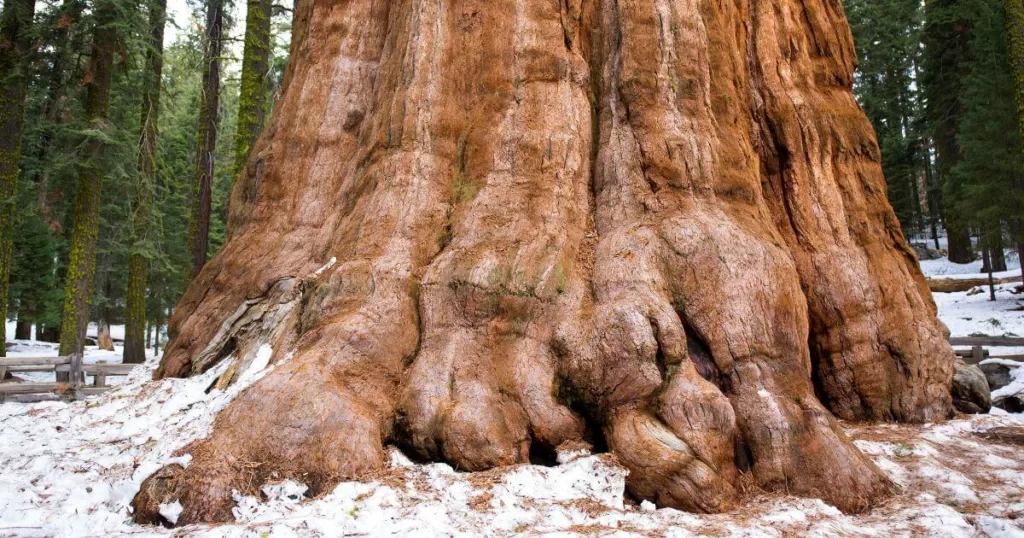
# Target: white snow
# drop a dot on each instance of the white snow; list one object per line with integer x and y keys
{"x": 71, "y": 469}
{"x": 943, "y": 268}
{"x": 171, "y": 511}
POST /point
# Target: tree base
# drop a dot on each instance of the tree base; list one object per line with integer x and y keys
{"x": 665, "y": 222}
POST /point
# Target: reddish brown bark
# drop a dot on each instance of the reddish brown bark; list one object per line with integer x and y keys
{"x": 663, "y": 219}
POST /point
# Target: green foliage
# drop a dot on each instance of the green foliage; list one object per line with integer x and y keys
{"x": 888, "y": 38}
{"x": 991, "y": 169}
{"x": 56, "y": 145}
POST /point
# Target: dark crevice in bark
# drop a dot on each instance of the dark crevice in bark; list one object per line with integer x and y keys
{"x": 543, "y": 455}
{"x": 744, "y": 458}
{"x": 816, "y": 380}
{"x": 700, "y": 354}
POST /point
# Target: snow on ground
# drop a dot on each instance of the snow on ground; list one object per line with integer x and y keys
{"x": 71, "y": 469}
{"x": 972, "y": 313}
{"x": 943, "y": 268}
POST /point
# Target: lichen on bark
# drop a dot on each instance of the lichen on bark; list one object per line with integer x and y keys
{"x": 85, "y": 231}
{"x": 677, "y": 242}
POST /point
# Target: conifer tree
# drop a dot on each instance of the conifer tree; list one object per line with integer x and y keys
{"x": 84, "y": 234}
{"x": 138, "y": 263}
{"x": 15, "y": 23}
{"x": 946, "y": 60}
{"x": 887, "y": 34}
{"x": 252, "y": 101}
{"x": 199, "y": 225}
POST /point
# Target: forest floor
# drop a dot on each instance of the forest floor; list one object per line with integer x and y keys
{"x": 72, "y": 470}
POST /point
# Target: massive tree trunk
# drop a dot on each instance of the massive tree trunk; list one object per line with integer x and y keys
{"x": 15, "y": 39}
{"x": 138, "y": 262}
{"x": 206, "y": 145}
{"x": 663, "y": 224}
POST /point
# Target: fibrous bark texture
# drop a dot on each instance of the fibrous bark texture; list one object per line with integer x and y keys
{"x": 656, "y": 224}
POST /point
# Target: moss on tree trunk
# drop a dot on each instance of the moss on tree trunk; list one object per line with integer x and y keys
{"x": 85, "y": 232}
{"x": 252, "y": 99}
{"x": 138, "y": 261}
{"x": 206, "y": 145}
{"x": 14, "y": 44}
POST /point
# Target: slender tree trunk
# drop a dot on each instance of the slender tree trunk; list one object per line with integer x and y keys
{"x": 933, "y": 193}
{"x": 252, "y": 99}
{"x": 138, "y": 261}
{"x": 471, "y": 229}
{"x": 985, "y": 252}
{"x": 15, "y": 23}
{"x": 85, "y": 232}
{"x": 1020, "y": 257}
{"x": 199, "y": 224}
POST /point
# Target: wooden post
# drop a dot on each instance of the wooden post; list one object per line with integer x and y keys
{"x": 76, "y": 375}
{"x": 99, "y": 379}
{"x": 977, "y": 354}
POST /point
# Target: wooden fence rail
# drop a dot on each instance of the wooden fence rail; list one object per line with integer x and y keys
{"x": 978, "y": 353}
{"x": 74, "y": 389}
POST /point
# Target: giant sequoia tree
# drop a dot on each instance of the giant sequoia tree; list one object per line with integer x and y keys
{"x": 662, "y": 225}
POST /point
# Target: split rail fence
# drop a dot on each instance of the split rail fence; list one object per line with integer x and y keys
{"x": 978, "y": 348}
{"x": 75, "y": 388}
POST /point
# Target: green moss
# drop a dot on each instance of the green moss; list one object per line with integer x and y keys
{"x": 252, "y": 98}
{"x": 85, "y": 232}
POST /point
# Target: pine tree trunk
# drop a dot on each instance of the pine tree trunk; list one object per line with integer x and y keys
{"x": 199, "y": 224}
{"x": 958, "y": 238}
{"x": 15, "y": 39}
{"x": 138, "y": 261}
{"x": 85, "y": 232}
{"x": 473, "y": 228}
{"x": 252, "y": 99}
{"x": 48, "y": 334}
{"x": 947, "y": 43}
{"x": 994, "y": 244}
{"x": 23, "y": 331}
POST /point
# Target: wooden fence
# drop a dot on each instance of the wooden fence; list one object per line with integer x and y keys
{"x": 978, "y": 345}
{"x": 74, "y": 389}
